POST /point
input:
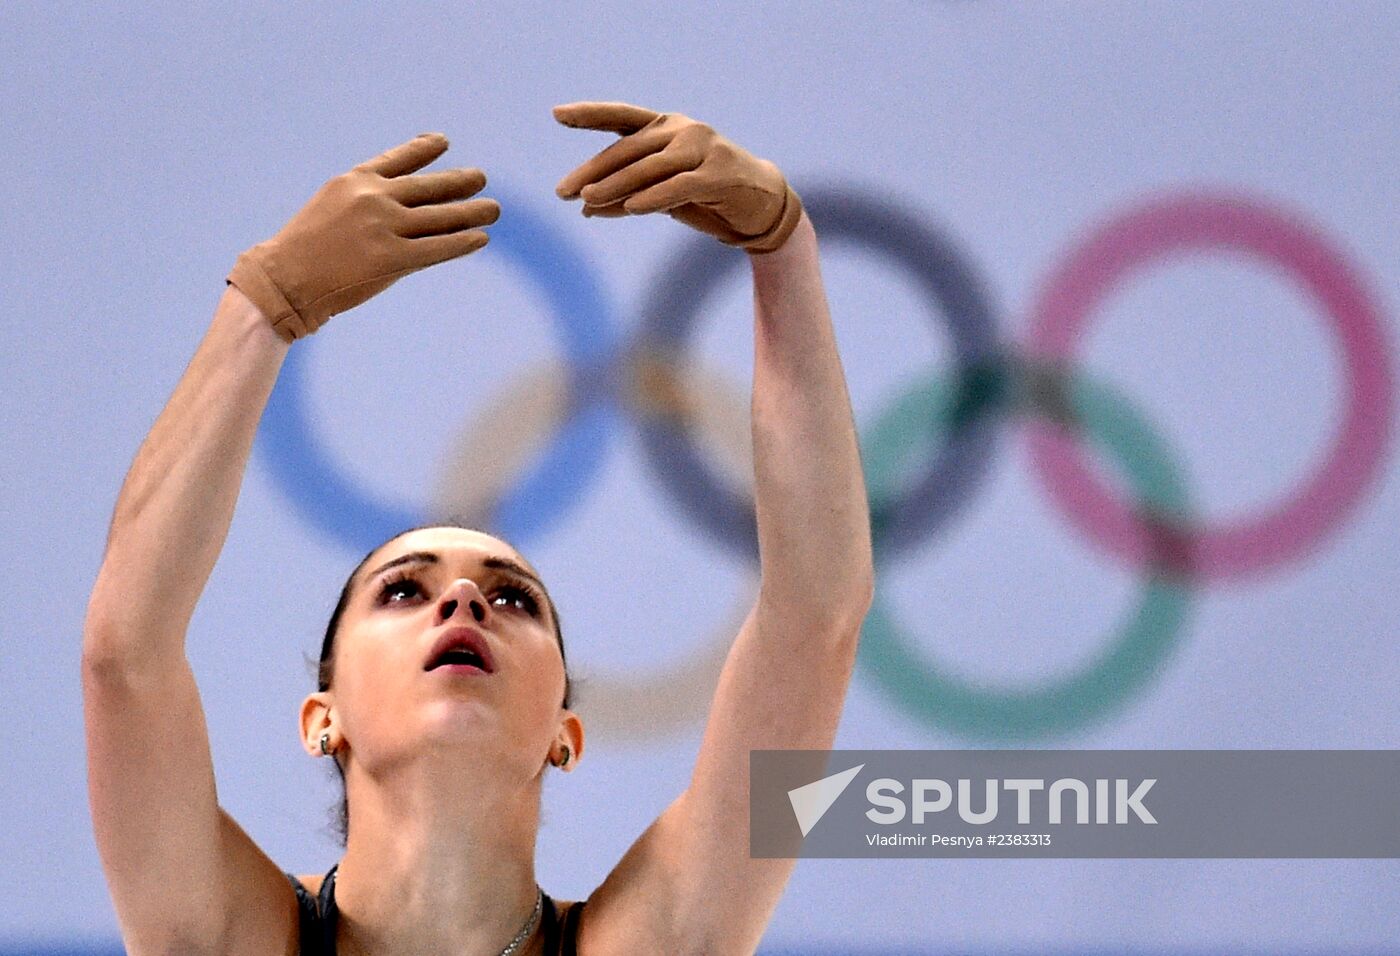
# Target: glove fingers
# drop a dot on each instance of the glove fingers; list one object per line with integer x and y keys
{"x": 406, "y": 157}
{"x": 679, "y": 189}
{"x": 431, "y": 250}
{"x": 612, "y": 117}
{"x": 645, "y": 172}
{"x": 623, "y": 153}
{"x": 445, "y": 186}
{"x": 449, "y": 217}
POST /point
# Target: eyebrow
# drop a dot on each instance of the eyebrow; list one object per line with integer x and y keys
{"x": 431, "y": 557}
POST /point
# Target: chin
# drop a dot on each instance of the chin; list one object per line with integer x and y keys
{"x": 462, "y": 722}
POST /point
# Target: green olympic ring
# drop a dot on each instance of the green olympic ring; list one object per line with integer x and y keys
{"x": 912, "y": 426}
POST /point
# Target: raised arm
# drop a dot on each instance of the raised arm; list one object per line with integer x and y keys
{"x": 813, "y": 513}
{"x": 688, "y": 885}
{"x": 150, "y": 775}
{"x": 183, "y": 876}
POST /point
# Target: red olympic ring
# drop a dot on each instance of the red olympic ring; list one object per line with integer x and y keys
{"x": 1178, "y": 224}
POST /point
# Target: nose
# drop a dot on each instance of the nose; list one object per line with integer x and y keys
{"x": 463, "y": 593}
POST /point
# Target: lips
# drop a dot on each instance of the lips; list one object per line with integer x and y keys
{"x": 457, "y": 645}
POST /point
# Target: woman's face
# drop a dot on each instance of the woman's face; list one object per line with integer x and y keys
{"x": 388, "y": 708}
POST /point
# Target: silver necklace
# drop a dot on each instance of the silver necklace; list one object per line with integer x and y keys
{"x": 529, "y": 926}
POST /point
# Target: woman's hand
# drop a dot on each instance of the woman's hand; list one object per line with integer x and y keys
{"x": 360, "y": 233}
{"x": 672, "y": 163}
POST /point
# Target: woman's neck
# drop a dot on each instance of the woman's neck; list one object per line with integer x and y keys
{"x": 434, "y": 867}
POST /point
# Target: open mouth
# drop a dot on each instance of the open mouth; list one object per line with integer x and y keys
{"x": 459, "y": 659}
{"x": 462, "y": 650}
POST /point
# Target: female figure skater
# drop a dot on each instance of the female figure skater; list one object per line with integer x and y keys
{"x": 443, "y": 694}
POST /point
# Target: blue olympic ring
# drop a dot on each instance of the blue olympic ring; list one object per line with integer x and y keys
{"x": 299, "y": 464}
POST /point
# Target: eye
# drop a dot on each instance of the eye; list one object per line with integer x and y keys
{"x": 518, "y": 597}
{"x": 399, "y": 584}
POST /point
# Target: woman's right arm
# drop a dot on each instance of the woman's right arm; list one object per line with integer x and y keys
{"x": 184, "y": 877}
{"x": 174, "y": 862}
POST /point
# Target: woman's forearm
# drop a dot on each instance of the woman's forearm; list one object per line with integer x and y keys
{"x": 813, "y": 515}
{"x": 174, "y": 510}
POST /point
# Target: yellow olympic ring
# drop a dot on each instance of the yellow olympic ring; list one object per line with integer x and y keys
{"x": 484, "y": 459}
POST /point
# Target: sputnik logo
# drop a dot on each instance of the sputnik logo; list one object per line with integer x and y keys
{"x": 811, "y": 801}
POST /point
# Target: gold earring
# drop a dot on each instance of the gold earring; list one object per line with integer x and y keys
{"x": 564, "y": 761}
{"x": 325, "y": 739}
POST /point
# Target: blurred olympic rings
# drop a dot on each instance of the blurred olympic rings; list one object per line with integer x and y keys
{"x": 923, "y": 457}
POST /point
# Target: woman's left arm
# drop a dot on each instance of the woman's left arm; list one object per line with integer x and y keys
{"x": 813, "y": 515}
{"x": 784, "y": 683}
{"x": 689, "y": 884}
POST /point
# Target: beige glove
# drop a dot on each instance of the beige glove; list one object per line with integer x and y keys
{"x": 669, "y": 162}
{"x": 362, "y": 232}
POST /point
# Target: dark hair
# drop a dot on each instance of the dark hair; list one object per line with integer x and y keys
{"x": 340, "y": 820}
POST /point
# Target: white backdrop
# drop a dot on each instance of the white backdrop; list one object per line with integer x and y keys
{"x": 145, "y": 148}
